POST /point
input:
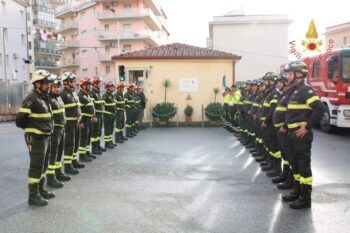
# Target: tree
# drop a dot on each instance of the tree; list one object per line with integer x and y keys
{"x": 166, "y": 84}
{"x": 216, "y": 91}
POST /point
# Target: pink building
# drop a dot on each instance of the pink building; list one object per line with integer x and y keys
{"x": 91, "y": 32}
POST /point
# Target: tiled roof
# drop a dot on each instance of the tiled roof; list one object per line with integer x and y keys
{"x": 177, "y": 51}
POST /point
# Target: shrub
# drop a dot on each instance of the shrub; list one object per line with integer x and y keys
{"x": 188, "y": 110}
{"x": 164, "y": 111}
{"x": 214, "y": 111}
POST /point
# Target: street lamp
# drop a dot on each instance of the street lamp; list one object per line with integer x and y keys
{"x": 118, "y": 35}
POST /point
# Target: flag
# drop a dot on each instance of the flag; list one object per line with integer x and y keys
{"x": 223, "y": 87}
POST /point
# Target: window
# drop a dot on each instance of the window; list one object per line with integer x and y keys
{"x": 3, "y": 4}
{"x": 96, "y": 71}
{"x": 106, "y": 27}
{"x": 0, "y": 59}
{"x": 95, "y": 32}
{"x": 316, "y": 69}
{"x": 346, "y": 68}
{"x": 5, "y": 34}
{"x": 23, "y": 40}
{"x": 83, "y": 35}
{"x": 29, "y": 45}
{"x": 28, "y": 16}
{"x": 82, "y": 16}
{"x": 345, "y": 40}
{"x": 108, "y": 70}
{"x": 22, "y": 15}
{"x": 127, "y": 48}
{"x": 107, "y": 49}
{"x": 85, "y": 72}
{"x": 7, "y": 60}
{"x": 94, "y": 11}
{"x": 84, "y": 53}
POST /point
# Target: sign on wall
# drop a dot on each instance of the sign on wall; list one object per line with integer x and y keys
{"x": 188, "y": 85}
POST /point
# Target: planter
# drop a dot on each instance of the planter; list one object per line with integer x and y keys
{"x": 188, "y": 119}
{"x": 163, "y": 123}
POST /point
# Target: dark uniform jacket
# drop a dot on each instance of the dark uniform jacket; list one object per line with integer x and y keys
{"x": 269, "y": 105}
{"x": 87, "y": 106}
{"x": 130, "y": 103}
{"x": 142, "y": 98}
{"x": 97, "y": 100}
{"x": 58, "y": 110}
{"x": 304, "y": 107}
{"x": 119, "y": 101}
{"x": 109, "y": 103}
{"x": 35, "y": 115}
{"x": 71, "y": 104}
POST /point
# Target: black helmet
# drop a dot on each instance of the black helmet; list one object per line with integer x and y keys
{"x": 297, "y": 66}
{"x": 249, "y": 82}
{"x": 55, "y": 80}
{"x": 271, "y": 76}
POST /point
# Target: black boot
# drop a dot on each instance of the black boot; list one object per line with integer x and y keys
{"x": 276, "y": 170}
{"x": 77, "y": 165}
{"x": 60, "y": 176}
{"x": 84, "y": 158}
{"x": 304, "y": 200}
{"x": 44, "y": 193}
{"x": 282, "y": 176}
{"x": 260, "y": 159}
{"x": 118, "y": 138}
{"x": 100, "y": 148}
{"x": 122, "y": 137}
{"x": 128, "y": 133}
{"x": 53, "y": 182}
{"x": 294, "y": 195}
{"x": 69, "y": 169}
{"x": 288, "y": 183}
{"x": 34, "y": 198}
{"x": 89, "y": 155}
{"x": 95, "y": 149}
{"x": 108, "y": 145}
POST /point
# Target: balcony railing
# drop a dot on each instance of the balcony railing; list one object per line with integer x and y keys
{"x": 67, "y": 44}
{"x": 45, "y": 64}
{"x": 148, "y": 36}
{"x": 147, "y": 14}
{"x": 67, "y": 26}
{"x": 71, "y": 7}
{"x": 44, "y": 9}
{"x": 67, "y": 63}
{"x": 45, "y": 23}
{"x": 107, "y": 56}
{"x": 48, "y": 47}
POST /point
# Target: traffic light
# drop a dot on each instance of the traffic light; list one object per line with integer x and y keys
{"x": 121, "y": 73}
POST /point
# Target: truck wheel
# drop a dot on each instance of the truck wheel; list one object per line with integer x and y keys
{"x": 325, "y": 123}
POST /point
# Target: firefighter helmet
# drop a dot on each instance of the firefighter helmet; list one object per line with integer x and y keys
{"x": 109, "y": 84}
{"x": 39, "y": 75}
{"x": 68, "y": 76}
{"x": 96, "y": 79}
{"x": 297, "y": 66}
{"x": 84, "y": 80}
{"x": 55, "y": 80}
{"x": 271, "y": 76}
{"x": 120, "y": 84}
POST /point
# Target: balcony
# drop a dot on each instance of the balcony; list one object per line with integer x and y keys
{"x": 133, "y": 14}
{"x": 68, "y": 9}
{"x": 107, "y": 56}
{"x": 66, "y": 63}
{"x": 46, "y": 47}
{"x": 45, "y": 65}
{"x": 44, "y": 9}
{"x": 148, "y": 37}
{"x": 68, "y": 26}
{"x": 62, "y": 45}
{"x": 44, "y": 23}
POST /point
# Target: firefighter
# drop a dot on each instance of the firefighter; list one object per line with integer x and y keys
{"x": 227, "y": 98}
{"x": 142, "y": 97}
{"x": 136, "y": 127}
{"x": 245, "y": 140}
{"x": 273, "y": 162}
{"x": 35, "y": 117}
{"x": 240, "y": 108}
{"x": 88, "y": 117}
{"x": 120, "y": 113}
{"x": 286, "y": 177}
{"x": 73, "y": 117}
{"x": 304, "y": 111}
{"x": 130, "y": 107}
{"x": 54, "y": 173}
{"x": 109, "y": 114}
{"x": 96, "y": 131}
{"x": 249, "y": 117}
{"x": 236, "y": 95}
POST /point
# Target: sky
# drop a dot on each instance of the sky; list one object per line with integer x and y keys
{"x": 188, "y": 20}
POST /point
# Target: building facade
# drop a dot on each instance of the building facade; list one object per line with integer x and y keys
{"x": 193, "y": 72}
{"x": 42, "y": 36}
{"x": 92, "y": 31}
{"x": 340, "y": 34}
{"x": 262, "y": 40}
{"x": 13, "y": 41}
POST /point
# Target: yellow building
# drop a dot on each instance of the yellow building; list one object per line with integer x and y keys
{"x": 193, "y": 72}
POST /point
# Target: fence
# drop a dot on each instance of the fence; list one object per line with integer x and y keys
{"x": 11, "y": 96}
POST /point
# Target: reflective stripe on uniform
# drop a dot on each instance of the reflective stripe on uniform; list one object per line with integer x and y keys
{"x": 94, "y": 139}
{"x": 296, "y": 177}
{"x": 71, "y": 105}
{"x": 266, "y": 104}
{"x": 312, "y": 99}
{"x": 88, "y": 115}
{"x": 58, "y": 111}
{"x": 297, "y": 124}
{"x": 40, "y": 115}
{"x": 36, "y": 131}
{"x": 58, "y": 165}
{"x": 120, "y": 109}
{"x": 33, "y": 180}
{"x": 108, "y": 113}
{"x": 25, "y": 110}
{"x": 88, "y": 104}
{"x": 59, "y": 125}
{"x": 118, "y": 130}
{"x": 276, "y": 155}
{"x": 99, "y": 111}
{"x": 307, "y": 180}
{"x": 109, "y": 104}
{"x": 278, "y": 125}
{"x": 274, "y": 101}
{"x": 72, "y": 118}
{"x": 282, "y": 109}
{"x": 298, "y": 106}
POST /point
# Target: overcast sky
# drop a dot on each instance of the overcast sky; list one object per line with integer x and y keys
{"x": 189, "y": 19}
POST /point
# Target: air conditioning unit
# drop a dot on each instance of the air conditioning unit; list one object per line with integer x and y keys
{"x": 15, "y": 56}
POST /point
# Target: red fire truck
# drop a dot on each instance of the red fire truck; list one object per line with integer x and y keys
{"x": 329, "y": 76}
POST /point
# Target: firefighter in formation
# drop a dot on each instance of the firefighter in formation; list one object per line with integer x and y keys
{"x": 63, "y": 126}
{"x": 273, "y": 117}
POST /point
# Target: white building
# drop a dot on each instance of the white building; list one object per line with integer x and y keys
{"x": 340, "y": 34}
{"x": 261, "y": 40}
{"x": 13, "y": 41}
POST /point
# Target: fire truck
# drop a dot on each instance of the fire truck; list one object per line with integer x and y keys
{"x": 329, "y": 76}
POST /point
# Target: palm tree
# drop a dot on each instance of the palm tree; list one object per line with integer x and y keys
{"x": 166, "y": 84}
{"x": 216, "y": 91}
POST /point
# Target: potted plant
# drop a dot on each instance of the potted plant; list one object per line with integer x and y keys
{"x": 216, "y": 91}
{"x": 188, "y": 113}
{"x": 164, "y": 111}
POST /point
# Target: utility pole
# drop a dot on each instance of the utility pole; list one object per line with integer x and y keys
{"x": 118, "y": 29}
{"x": 5, "y": 70}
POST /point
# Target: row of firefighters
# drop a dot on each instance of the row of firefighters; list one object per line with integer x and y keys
{"x": 60, "y": 122}
{"x": 274, "y": 117}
